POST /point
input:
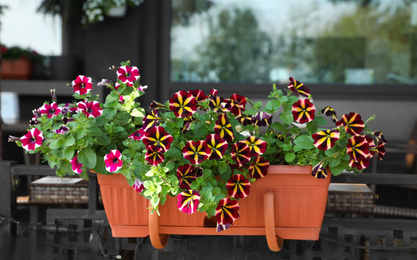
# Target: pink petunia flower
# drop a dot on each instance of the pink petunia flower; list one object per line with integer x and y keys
{"x": 90, "y": 109}
{"x": 113, "y": 161}
{"x": 128, "y": 74}
{"x": 76, "y": 165}
{"x": 32, "y": 140}
{"x": 82, "y": 85}
{"x": 50, "y": 110}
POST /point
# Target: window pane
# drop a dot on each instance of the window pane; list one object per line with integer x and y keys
{"x": 321, "y": 41}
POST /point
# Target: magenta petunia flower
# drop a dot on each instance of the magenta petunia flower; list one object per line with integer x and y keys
{"x": 223, "y": 128}
{"x": 217, "y": 145}
{"x": 257, "y": 146}
{"x": 241, "y": 153}
{"x": 325, "y": 139}
{"x": 128, "y": 74}
{"x": 137, "y": 135}
{"x": 196, "y": 152}
{"x": 62, "y": 130}
{"x": 113, "y": 161}
{"x": 76, "y": 165}
{"x": 183, "y": 104}
{"x": 303, "y": 111}
{"x": 259, "y": 168}
{"x": 90, "y": 109}
{"x": 227, "y": 211}
{"x": 138, "y": 186}
{"x": 298, "y": 88}
{"x": 82, "y": 85}
{"x": 186, "y": 175}
{"x": 158, "y": 137}
{"x": 318, "y": 171}
{"x": 50, "y": 110}
{"x": 142, "y": 88}
{"x": 32, "y": 140}
{"x": 188, "y": 201}
{"x": 352, "y": 123}
{"x": 154, "y": 155}
{"x": 238, "y": 186}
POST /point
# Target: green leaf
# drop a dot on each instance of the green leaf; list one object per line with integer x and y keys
{"x": 138, "y": 112}
{"x": 304, "y": 141}
{"x": 223, "y": 167}
{"x": 278, "y": 126}
{"x": 69, "y": 141}
{"x": 88, "y": 158}
{"x": 68, "y": 153}
{"x": 289, "y": 157}
{"x": 272, "y": 106}
{"x": 320, "y": 120}
{"x": 56, "y": 143}
{"x": 287, "y": 118}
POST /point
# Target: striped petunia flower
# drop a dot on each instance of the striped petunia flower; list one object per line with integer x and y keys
{"x": 241, "y": 153}
{"x": 303, "y": 111}
{"x": 359, "y": 165}
{"x": 259, "y": 168}
{"x": 82, "y": 85}
{"x": 198, "y": 94}
{"x": 196, "y": 152}
{"x": 244, "y": 119}
{"x": 76, "y": 165}
{"x": 216, "y": 103}
{"x": 188, "y": 201}
{"x": 227, "y": 211}
{"x": 325, "y": 139}
{"x": 298, "y": 88}
{"x": 154, "y": 155}
{"x": 238, "y": 186}
{"x": 50, "y": 110}
{"x": 257, "y": 146}
{"x": 158, "y": 137}
{"x": 183, "y": 104}
{"x": 330, "y": 112}
{"x": 352, "y": 123}
{"x": 32, "y": 140}
{"x": 223, "y": 128}
{"x": 358, "y": 148}
{"x": 127, "y": 74}
{"x": 90, "y": 109}
{"x": 150, "y": 120}
{"x": 380, "y": 137}
{"x": 217, "y": 145}
{"x": 113, "y": 161}
{"x": 186, "y": 175}
{"x": 236, "y": 104}
{"x": 187, "y": 124}
{"x": 262, "y": 119}
{"x": 319, "y": 171}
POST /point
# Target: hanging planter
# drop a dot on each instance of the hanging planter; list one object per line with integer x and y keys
{"x": 286, "y": 204}
{"x": 16, "y": 69}
{"x": 117, "y": 11}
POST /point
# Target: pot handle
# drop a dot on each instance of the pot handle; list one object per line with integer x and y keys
{"x": 274, "y": 242}
{"x": 159, "y": 241}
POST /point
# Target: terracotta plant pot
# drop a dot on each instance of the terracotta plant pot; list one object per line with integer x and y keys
{"x": 288, "y": 203}
{"x": 16, "y": 69}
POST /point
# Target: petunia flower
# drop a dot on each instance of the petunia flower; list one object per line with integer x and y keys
{"x": 186, "y": 175}
{"x": 257, "y": 146}
{"x": 236, "y": 104}
{"x": 82, "y": 85}
{"x": 198, "y": 94}
{"x": 262, "y": 119}
{"x": 325, "y": 139}
{"x": 244, "y": 119}
{"x": 303, "y": 111}
{"x": 137, "y": 135}
{"x": 380, "y": 137}
{"x": 50, "y": 110}
{"x": 330, "y": 112}
{"x": 319, "y": 171}
{"x": 76, "y": 165}
{"x": 216, "y": 104}
{"x": 62, "y": 130}
{"x": 183, "y": 104}
{"x": 227, "y": 211}
{"x": 188, "y": 201}
{"x": 113, "y": 161}
{"x": 32, "y": 140}
{"x": 142, "y": 88}
{"x": 150, "y": 120}
{"x": 223, "y": 128}
{"x": 196, "y": 152}
{"x": 138, "y": 186}
{"x": 359, "y": 165}
{"x": 128, "y": 74}
{"x": 154, "y": 155}
{"x": 298, "y": 88}
{"x": 187, "y": 124}
{"x": 238, "y": 186}
{"x": 241, "y": 153}
{"x": 90, "y": 109}
{"x": 214, "y": 92}
{"x": 217, "y": 145}
{"x": 352, "y": 123}
{"x": 158, "y": 137}
{"x": 157, "y": 105}
{"x": 358, "y": 148}
{"x": 259, "y": 168}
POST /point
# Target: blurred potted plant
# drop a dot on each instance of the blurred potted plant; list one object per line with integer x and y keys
{"x": 202, "y": 155}
{"x": 17, "y": 62}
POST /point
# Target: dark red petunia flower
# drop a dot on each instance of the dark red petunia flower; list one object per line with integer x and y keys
{"x": 380, "y": 137}
{"x": 359, "y": 165}
{"x": 259, "y": 168}
{"x": 138, "y": 186}
{"x": 82, "y": 85}
{"x": 257, "y": 146}
{"x": 154, "y": 155}
{"x": 244, "y": 119}
{"x": 187, "y": 124}
{"x": 330, "y": 112}
{"x": 186, "y": 175}
{"x": 128, "y": 74}
{"x": 303, "y": 111}
{"x": 90, "y": 109}
{"x": 217, "y": 145}
{"x": 199, "y": 95}
{"x": 150, "y": 120}
{"x": 241, "y": 153}
{"x": 158, "y": 137}
{"x": 236, "y": 104}
{"x": 358, "y": 148}
{"x": 325, "y": 139}
{"x": 216, "y": 104}
{"x": 32, "y": 140}
{"x": 214, "y": 92}
{"x": 196, "y": 152}
{"x": 183, "y": 104}
{"x": 319, "y": 171}
{"x": 227, "y": 211}
{"x": 352, "y": 123}
{"x": 50, "y": 110}
{"x": 298, "y": 88}
{"x": 156, "y": 105}
{"x": 223, "y": 128}
{"x": 188, "y": 201}
{"x": 238, "y": 186}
